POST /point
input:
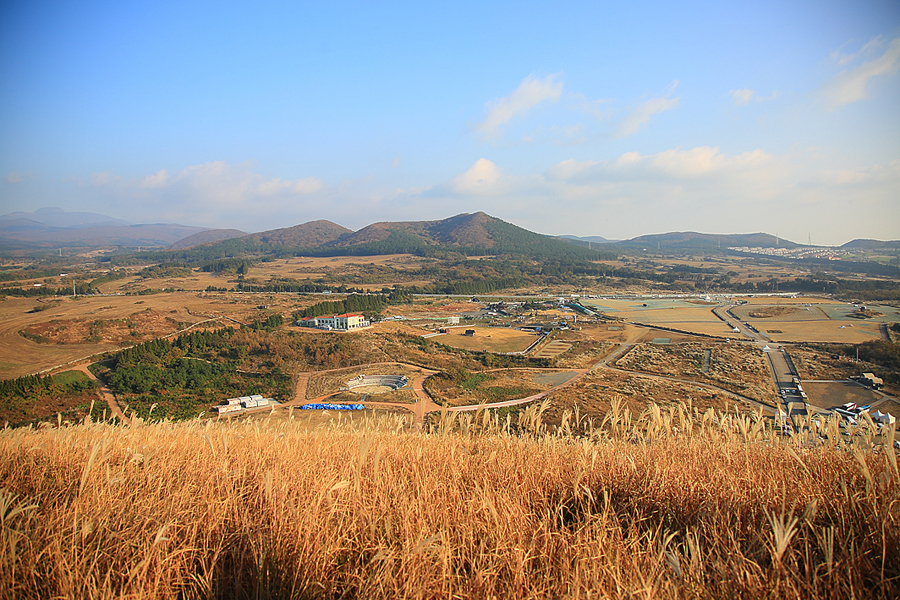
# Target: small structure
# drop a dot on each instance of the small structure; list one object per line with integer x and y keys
{"x": 869, "y": 380}
{"x": 242, "y": 403}
{"x": 452, "y": 320}
{"x": 470, "y": 332}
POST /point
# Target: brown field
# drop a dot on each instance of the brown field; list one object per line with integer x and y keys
{"x": 682, "y": 315}
{"x": 835, "y": 393}
{"x": 551, "y": 349}
{"x": 594, "y": 395}
{"x": 829, "y": 331}
{"x": 68, "y": 317}
{"x": 487, "y": 339}
{"x": 673, "y": 504}
{"x": 740, "y": 368}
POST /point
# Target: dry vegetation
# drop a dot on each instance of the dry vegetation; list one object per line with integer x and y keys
{"x": 739, "y": 368}
{"x": 488, "y": 339}
{"x": 676, "y": 503}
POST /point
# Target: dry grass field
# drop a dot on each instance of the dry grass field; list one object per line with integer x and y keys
{"x": 835, "y": 393}
{"x": 594, "y": 395}
{"x": 674, "y": 503}
{"x": 740, "y": 368}
{"x": 76, "y": 328}
{"x": 679, "y": 314}
{"x": 487, "y": 339}
{"x": 826, "y": 331}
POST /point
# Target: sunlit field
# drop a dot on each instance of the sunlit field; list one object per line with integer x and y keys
{"x": 669, "y": 504}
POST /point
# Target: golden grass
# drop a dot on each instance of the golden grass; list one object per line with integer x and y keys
{"x": 487, "y": 339}
{"x": 669, "y": 505}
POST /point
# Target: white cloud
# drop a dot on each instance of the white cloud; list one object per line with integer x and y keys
{"x": 742, "y": 96}
{"x": 530, "y": 93}
{"x": 218, "y": 182}
{"x": 17, "y": 177}
{"x": 483, "y": 177}
{"x": 157, "y": 180}
{"x": 640, "y": 116}
{"x": 210, "y": 194}
{"x": 849, "y": 85}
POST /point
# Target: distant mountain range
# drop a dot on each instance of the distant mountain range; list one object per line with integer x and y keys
{"x": 54, "y": 227}
{"x": 476, "y": 233}
{"x": 596, "y": 239}
{"x": 691, "y": 240}
{"x": 468, "y": 234}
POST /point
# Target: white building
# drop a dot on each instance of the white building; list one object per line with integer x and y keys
{"x": 344, "y": 322}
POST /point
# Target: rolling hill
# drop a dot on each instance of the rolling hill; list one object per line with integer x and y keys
{"x": 207, "y": 237}
{"x": 691, "y": 240}
{"x": 469, "y": 234}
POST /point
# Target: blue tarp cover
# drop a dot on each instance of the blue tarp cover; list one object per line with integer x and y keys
{"x": 332, "y": 407}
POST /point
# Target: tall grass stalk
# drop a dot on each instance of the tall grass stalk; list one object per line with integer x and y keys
{"x": 673, "y": 503}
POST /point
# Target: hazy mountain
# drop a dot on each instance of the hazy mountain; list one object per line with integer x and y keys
{"x": 860, "y": 244}
{"x": 590, "y": 238}
{"x": 207, "y": 237}
{"x": 690, "y": 240}
{"x": 59, "y": 218}
{"x": 51, "y": 228}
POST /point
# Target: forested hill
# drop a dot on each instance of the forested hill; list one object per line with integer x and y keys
{"x": 475, "y": 234}
{"x": 690, "y": 240}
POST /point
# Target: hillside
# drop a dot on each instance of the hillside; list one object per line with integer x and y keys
{"x": 672, "y": 505}
{"x": 207, "y": 237}
{"x": 470, "y": 234}
{"x": 305, "y": 235}
{"x": 691, "y": 240}
{"x": 861, "y": 244}
{"x": 469, "y": 230}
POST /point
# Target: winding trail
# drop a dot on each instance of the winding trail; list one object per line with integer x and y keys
{"x": 105, "y": 393}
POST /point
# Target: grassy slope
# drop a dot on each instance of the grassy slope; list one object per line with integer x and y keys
{"x": 271, "y": 509}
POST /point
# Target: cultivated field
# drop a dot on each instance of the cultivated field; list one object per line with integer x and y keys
{"x": 487, "y": 339}
{"x": 673, "y": 504}
{"x": 676, "y": 314}
{"x": 551, "y": 349}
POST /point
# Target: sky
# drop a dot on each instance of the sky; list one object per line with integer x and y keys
{"x": 594, "y": 118}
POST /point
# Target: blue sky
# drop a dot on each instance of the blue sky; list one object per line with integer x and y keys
{"x": 582, "y": 118}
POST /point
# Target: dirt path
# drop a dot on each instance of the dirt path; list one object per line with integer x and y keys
{"x": 105, "y": 393}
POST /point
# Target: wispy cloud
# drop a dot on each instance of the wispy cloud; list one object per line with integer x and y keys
{"x": 640, "y": 116}
{"x": 742, "y": 96}
{"x": 17, "y": 177}
{"x": 530, "y": 93}
{"x": 746, "y": 95}
{"x": 842, "y": 59}
{"x": 849, "y": 85}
